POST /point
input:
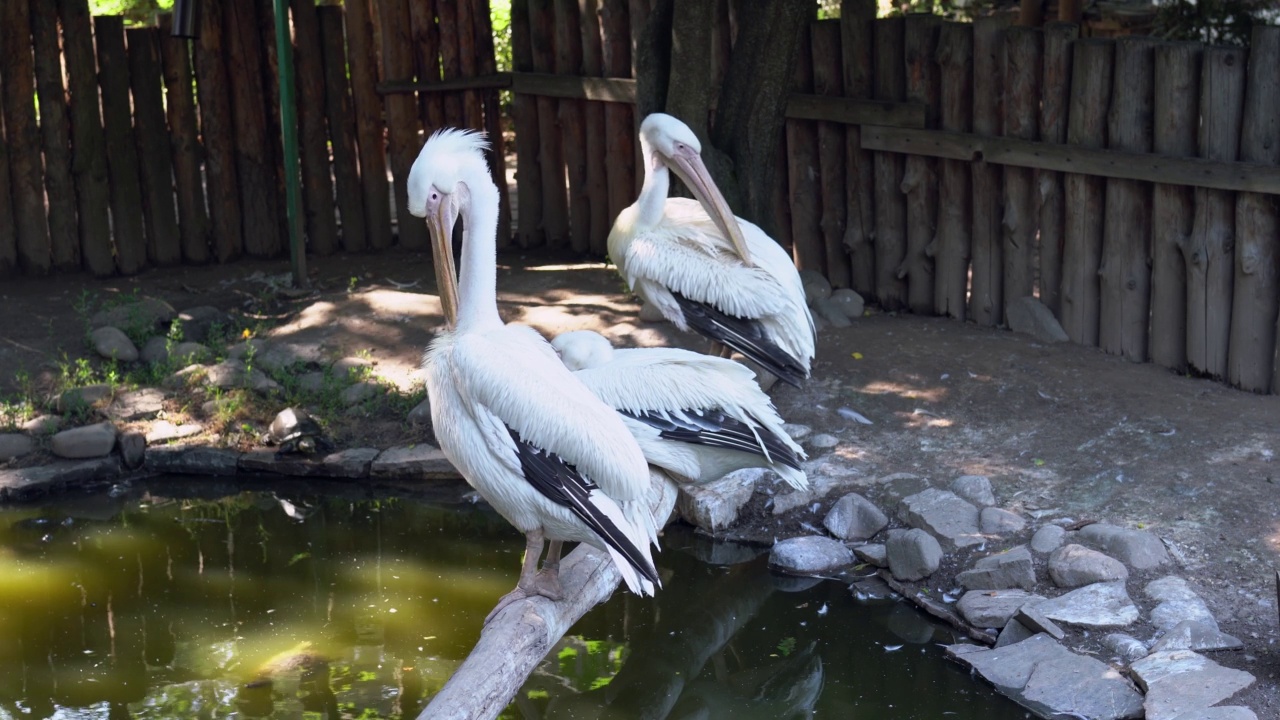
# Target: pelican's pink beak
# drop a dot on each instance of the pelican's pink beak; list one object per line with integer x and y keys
{"x": 689, "y": 166}
{"x": 441, "y": 215}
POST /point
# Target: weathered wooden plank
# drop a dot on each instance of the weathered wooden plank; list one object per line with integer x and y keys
{"x": 619, "y": 125}
{"x": 487, "y": 63}
{"x": 920, "y": 173}
{"x": 318, "y": 209}
{"x": 184, "y": 142}
{"x": 856, "y": 112}
{"x": 1251, "y": 356}
{"x": 8, "y": 235}
{"x": 555, "y": 201}
{"x": 1125, "y": 270}
{"x": 802, "y": 174}
{"x": 450, "y": 61}
{"x": 986, "y": 297}
{"x": 524, "y": 111}
{"x": 825, "y": 35}
{"x": 1210, "y": 255}
{"x": 260, "y": 212}
{"x": 597, "y": 174}
{"x": 950, "y": 248}
{"x": 1055, "y": 91}
{"x": 472, "y": 108}
{"x": 55, "y": 134}
{"x": 856, "y": 19}
{"x": 889, "y": 83}
{"x": 403, "y": 126}
{"x": 271, "y": 87}
{"x": 1082, "y": 236}
{"x": 213, "y": 86}
{"x": 572, "y": 117}
{"x": 155, "y": 159}
{"x": 1177, "y": 94}
{"x": 363, "y": 67}
{"x": 341, "y": 117}
{"x": 426, "y": 54}
{"x": 1023, "y": 59}
{"x": 127, "y": 227}
{"x": 26, "y": 172}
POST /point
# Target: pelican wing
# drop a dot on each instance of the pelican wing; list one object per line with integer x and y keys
{"x": 715, "y": 429}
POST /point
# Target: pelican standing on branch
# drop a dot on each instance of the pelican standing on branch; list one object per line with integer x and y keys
{"x": 555, "y": 461}
{"x": 704, "y": 268}
{"x": 697, "y": 416}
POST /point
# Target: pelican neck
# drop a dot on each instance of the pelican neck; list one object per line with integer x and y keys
{"x": 477, "y": 284}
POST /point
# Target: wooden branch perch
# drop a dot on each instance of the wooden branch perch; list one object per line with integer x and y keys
{"x": 518, "y": 638}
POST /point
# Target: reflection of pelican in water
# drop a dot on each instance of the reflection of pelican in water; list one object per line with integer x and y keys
{"x": 786, "y": 689}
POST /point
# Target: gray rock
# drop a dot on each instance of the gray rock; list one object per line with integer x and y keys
{"x": 1101, "y": 605}
{"x": 993, "y": 608}
{"x": 1012, "y": 569}
{"x": 1182, "y": 681}
{"x": 312, "y": 382}
{"x": 165, "y": 431}
{"x": 42, "y": 425}
{"x": 1035, "y": 620}
{"x": 1138, "y": 549}
{"x": 912, "y": 554}
{"x": 233, "y": 373}
{"x": 1075, "y": 565}
{"x": 136, "y": 405}
{"x": 974, "y": 488}
{"x": 854, "y": 517}
{"x": 1028, "y": 315}
{"x": 650, "y": 313}
{"x": 1013, "y": 632}
{"x": 343, "y": 367}
{"x": 13, "y": 445}
{"x": 900, "y": 485}
{"x": 144, "y": 314}
{"x": 111, "y": 342}
{"x": 1177, "y": 603}
{"x": 797, "y": 432}
{"x": 810, "y": 554}
{"x": 944, "y": 515}
{"x": 353, "y": 463}
{"x": 1129, "y": 648}
{"x": 193, "y": 460}
{"x": 360, "y": 392}
{"x": 183, "y": 377}
{"x": 714, "y": 506}
{"x": 418, "y": 462}
{"x": 1221, "y": 712}
{"x": 1080, "y": 686}
{"x": 1047, "y": 539}
{"x": 279, "y": 357}
{"x": 82, "y": 397}
{"x": 996, "y": 521}
{"x": 873, "y": 553}
{"x": 850, "y": 302}
{"x": 823, "y": 441}
{"x": 185, "y": 353}
{"x": 1009, "y": 668}
{"x": 252, "y": 348}
{"x": 38, "y": 482}
{"x": 196, "y": 322}
{"x": 154, "y": 350}
{"x": 1195, "y": 635}
{"x": 209, "y": 408}
{"x": 90, "y": 441}
{"x": 421, "y": 413}
{"x": 832, "y": 312}
{"x": 133, "y": 449}
{"x": 816, "y": 286}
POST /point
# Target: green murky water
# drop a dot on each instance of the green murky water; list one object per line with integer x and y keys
{"x": 210, "y": 601}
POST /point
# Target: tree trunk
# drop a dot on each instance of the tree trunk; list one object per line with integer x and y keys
{"x": 55, "y": 132}
{"x": 155, "y": 159}
{"x": 184, "y": 137}
{"x": 26, "y": 171}
{"x": 951, "y": 245}
{"x": 216, "y": 131}
{"x": 127, "y": 227}
{"x": 255, "y": 163}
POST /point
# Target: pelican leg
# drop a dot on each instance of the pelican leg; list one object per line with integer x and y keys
{"x": 532, "y": 582}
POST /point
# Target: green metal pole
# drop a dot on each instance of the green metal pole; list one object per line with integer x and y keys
{"x": 289, "y": 129}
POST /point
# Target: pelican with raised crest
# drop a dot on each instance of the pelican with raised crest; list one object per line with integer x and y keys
{"x": 696, "y": 416}
{"x": 705, "y": 269}
{"x": 550, "y": 457}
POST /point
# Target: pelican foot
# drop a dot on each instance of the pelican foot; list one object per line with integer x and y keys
{"x": 543, "y": 584}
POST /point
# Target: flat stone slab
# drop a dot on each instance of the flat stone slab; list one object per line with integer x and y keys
{"x": 13, "y": 445}
{"x": 809, "y": 555}
{"x": 1047, "y": 539}
{"x": 136, "y": 405}
{"x": 714, "y": 506}
{"x": 974, "y": 488}
{"x": 1029, "y": 315}
{"x": 1037, "y": 622}
{"x": 360, "y": 392}
{"x": 854, "y": 517}
{"x": 1138, "y": 549}
{"x": 873, "y": 554}
{"x": 165, "y": 431}
{"x": 993, "y": 608}
{"x": 952, "y": 520}
{"x": 416, "y": 462}
{"x": 1002, "y": 571}
{"x": 1129, "y": 648}
{"x": 1009, "y": 668}
{"x": 1073, "y": 565}
{"x": 1222, "y": 712}
{"x": 235, "y": 374}
{"x": 1177, "y": 603}
{"x": 912, "y": 554}
{"x": 147, "y": 312}
{"x": 353, "y": 463}
{"x": 1195, "y": 635}
{"x": 1079, "y": 686}
{"x": 32, "y": 482}
{"x": 998, "y": 521}
{"x": 1013, "y": 632}
{"x": 112, "y": 343}
{"x": 1101, "y": 605}
{"x": 1182, "y": 681}
{"x": 193, "y": 460}
{"x": 900, "y": 485}
{"x": 81, "y": 397}
{"x": 84, "y": 442}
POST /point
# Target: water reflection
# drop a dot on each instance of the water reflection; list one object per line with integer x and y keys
{"x": 288, "y": 604}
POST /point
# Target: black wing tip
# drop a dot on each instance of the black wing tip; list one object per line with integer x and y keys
{"x": 745, "y": 336}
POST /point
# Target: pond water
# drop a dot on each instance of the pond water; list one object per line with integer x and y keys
{"x": 210, "y": 600}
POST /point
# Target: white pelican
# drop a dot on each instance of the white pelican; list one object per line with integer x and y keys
{"x": 555, "y": 461}
{"x": 705, "y": 269}
{"x": 697, "y": 416}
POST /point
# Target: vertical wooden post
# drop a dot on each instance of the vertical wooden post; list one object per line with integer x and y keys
{"x": 55, "y": 131}
{"x": 426, "y": 53}
{"x": 555, "y": 203}
{"x": 403, "y": 126}
{"x": 572, "y": 114}
{"x": 1250, "y": 362}
{"x": 831, "y": 151}
{"x": 184, "y": 140}
{"x": 216, "y": 131}
{"x": 487, "y": 63}
{"x": 889, "y": 83}
{"x": 638, "y": 17}
{"x": 313, "y": 144}
{"x": 274, "y": 149}
{"x": 22, "y": 134}
{"x": 363, "y": 63}
{"x": 620, "y": 133}
{"x": 1210, "y": 253}
{"x": 1125, "y": 272}
{"x": 802, "y": 174}
{"x": 155, "y": 161}
{"x": 472, "y": 109}
{"x": 1082, "y": 236}
{"x": 856, "y": 20}
{"x": 342, "y": 128}
{"x": 1023, "y": 47}
{"x": 950, "y": 247}
{"x": 524, "y": 111}
{"x": 8, "y": 235}
{"x": 597, "y": 175}
{"x": 986, "y": 294}
{"x": 122, "y": 159}
{"x": 1177, "y": 94}
{"x": 920, "y": 174}
{"x": 450, "y": 62}
{"x": 1054, "y": 94}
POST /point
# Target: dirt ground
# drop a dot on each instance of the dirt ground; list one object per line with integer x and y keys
{"x": 1062, "y": 430}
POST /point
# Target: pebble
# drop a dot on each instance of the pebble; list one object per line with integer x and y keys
{"x": 1100, "y": 605}
{"x": 1012, "y": 569}
{"x": 944, "y": 515}
{"x": 810, "y": 554}
{"x": 90, "y": 441}
{"x": 974, "y": 488}
{"x": 1047, "y": 539}
{"x": 1139, "y": 549}
{"x": 854, "y": 517}
{"x": 13, "y": 445}
{"x": 796, "y": 431}
{"x": 823, "y": 441}
{"x": 42, "y": 425}
{"x": 1072, "y": 566}
{"x": 849, "y": 301}
{"x": 993, "y": 608}
{"x": 111, "y": 342}
{"x": 146, "y": 313}
{"x": 360, "y": 392}
{"x": 912, "y": 554}
{"x": 996, "y": 521}
{"x": 81, "y": 397}
{"x": 1181, "y": 681}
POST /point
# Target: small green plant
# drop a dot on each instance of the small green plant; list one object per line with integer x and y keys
{"x": 351, "y": 284}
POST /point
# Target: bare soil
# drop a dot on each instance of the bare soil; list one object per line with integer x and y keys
{"x": 1063, "y": 431}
